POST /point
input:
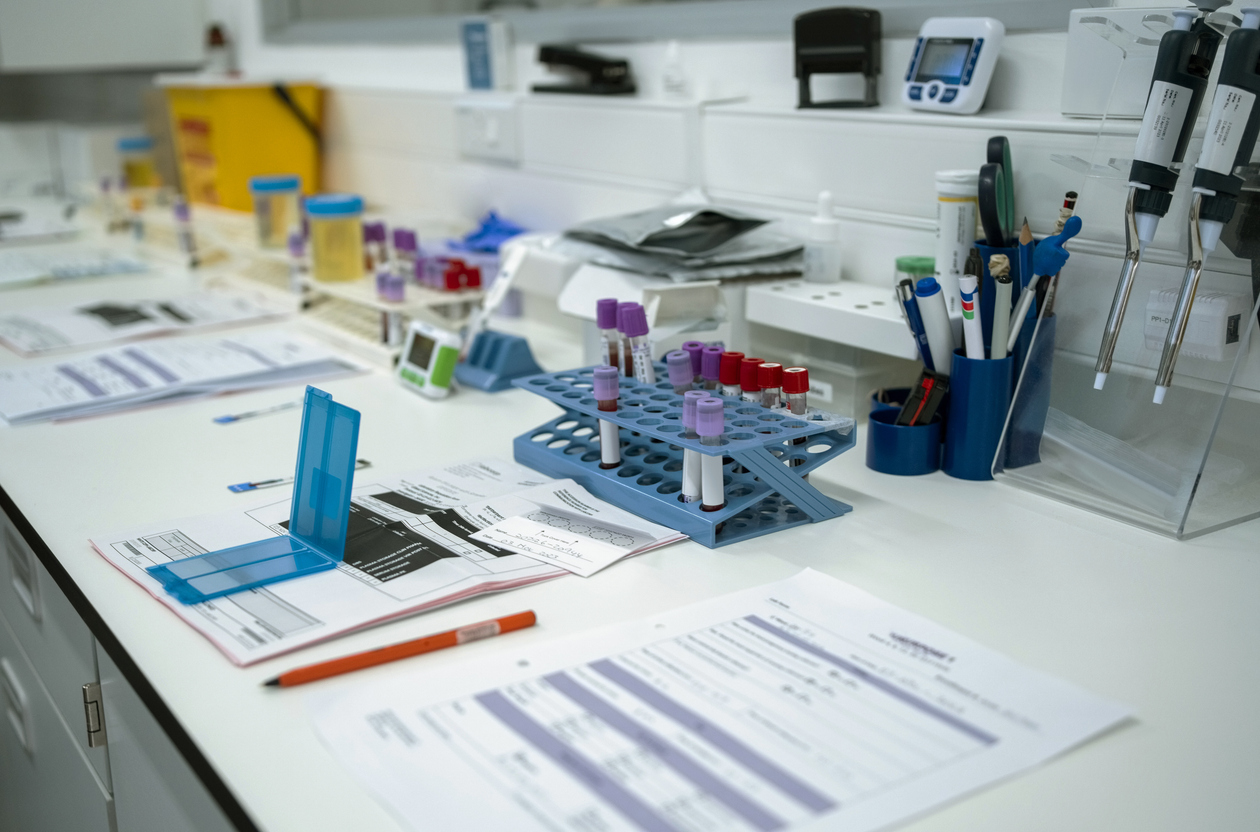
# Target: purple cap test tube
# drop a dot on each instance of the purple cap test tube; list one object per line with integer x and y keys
{"x": 710, "y": 419}
{"x": 690, "y": 399}
{"x": 711, "y": 424}
{"x": 678, "y": 363}
{"x": 636, "y": 325}
{"x": 373, "y": 232}
{"x": 606, "y": 313}
{"x": 694, "y": 349}
{"x": 404, "y": 240}
{"x": 606, "y": 387}
{"x": 711, "y": 366}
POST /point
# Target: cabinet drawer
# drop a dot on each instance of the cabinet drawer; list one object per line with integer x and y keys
{"x": 45, "y": 782}
{"x": 53, "y": 636}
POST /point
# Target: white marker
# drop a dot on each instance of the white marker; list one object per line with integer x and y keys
{"x": 936, "y": 324}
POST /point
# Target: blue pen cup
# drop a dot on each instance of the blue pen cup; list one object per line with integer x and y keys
{"x": 987, "y": 288}
{"x": 979, "y": 396}
{"x": 889, "y": 398}
{"x": 905, "y": 451}
{"x": 1031, "y": 398}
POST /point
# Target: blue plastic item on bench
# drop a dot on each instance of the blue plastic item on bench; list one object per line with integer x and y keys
{"x": 495, "y": 360}
{"x": 767, "y": 454}
{"x": 318, "y": 517}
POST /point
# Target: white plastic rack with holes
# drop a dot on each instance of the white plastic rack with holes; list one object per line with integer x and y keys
{"x": 847, "y": 312}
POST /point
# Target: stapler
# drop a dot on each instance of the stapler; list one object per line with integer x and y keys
{"x": 594, "y": 74}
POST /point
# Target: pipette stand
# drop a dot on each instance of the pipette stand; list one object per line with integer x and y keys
{"x": 494, "y": 360}
{"x": 763, "y": 470}
{"x": 319, "y": 516}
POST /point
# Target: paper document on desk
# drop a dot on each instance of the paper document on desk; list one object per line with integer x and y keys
{"x": 802, "y": 704}
{"x": 33, "y": 331}
{"x": 32, "y": 263}
{"x": 162, "y": 371}
{"x": 569, "y": 528}
{"x": 409, "y": 548}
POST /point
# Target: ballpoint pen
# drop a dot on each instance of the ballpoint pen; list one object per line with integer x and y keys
{"x": 254, "y": 486}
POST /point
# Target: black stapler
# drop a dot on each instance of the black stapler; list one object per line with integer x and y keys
{"x": 594, "y": 74}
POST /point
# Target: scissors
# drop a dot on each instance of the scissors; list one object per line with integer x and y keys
{"x": 997, "y": 193}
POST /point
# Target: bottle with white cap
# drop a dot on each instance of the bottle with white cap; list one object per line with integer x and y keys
{"x": 822, "y": 247}
{"x": 957, "y": 201}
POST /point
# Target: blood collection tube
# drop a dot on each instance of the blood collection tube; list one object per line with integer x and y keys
{"x": 627, "y": 363}
{"x": 640, "y": 349}
{"x": 711, "y": 424}
{"x": 795, "y": 389}
{"x": 184, "y": 232}
{"x": 770, "y": 379}
{"x": 728, "y": 373}
{"x": 711, "y": 367}
{"x": 678, "y": 363}
{"x": 606, "y": 393}
{"x": 694, "y": 350}
{"x": 298, "y": 270}
{"x": 750, "y": 388}
{"x": 609, "y": 339}
{"x": 692, "y": 459}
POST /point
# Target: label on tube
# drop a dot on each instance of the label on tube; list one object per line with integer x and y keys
{"x": 1166, "y": 111}
{"x": 1231, "y": 107}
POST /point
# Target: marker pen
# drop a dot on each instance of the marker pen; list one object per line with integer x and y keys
{"x": 711, "y": 366}
{"x": 606, "y": 393}
{"x": 609, "y": 339}
{"x": 678, "y": 364}
{"x": 936, "y": 323}
{"x": 623, "y": 341}
{"x": 694, "y": 349}
{"x": 640, "y": 350}
{"x": 728, "y": 373}
{"x": 973, "y": 336}
{"x": 750, "y": 389}
{"x": 711, "y": 424}
{"x": 692, "y": 459}
{"x": 770, "y": 379}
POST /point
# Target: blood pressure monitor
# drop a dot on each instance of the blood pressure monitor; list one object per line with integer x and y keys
{"x": 952, "y": 64}
{"x": 428, "y": 359}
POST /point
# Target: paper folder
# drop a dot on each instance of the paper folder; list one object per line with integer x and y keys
{"x": 318, "y": 518}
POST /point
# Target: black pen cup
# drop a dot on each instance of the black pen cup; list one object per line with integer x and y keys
{"x": 979, "y": 396}
{"x": 987, "y": 288}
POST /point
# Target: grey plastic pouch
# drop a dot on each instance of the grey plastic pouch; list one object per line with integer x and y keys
{"x": 677, "y": 230}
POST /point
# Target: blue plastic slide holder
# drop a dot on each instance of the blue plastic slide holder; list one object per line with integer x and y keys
{"x": 979, "y": 396}
{"x": 495, "y": 360}
{"x": 766, "y": 454}
{"x": 318, "y": 517}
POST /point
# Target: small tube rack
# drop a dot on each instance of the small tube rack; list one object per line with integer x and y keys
{"x": 767, "y": 454}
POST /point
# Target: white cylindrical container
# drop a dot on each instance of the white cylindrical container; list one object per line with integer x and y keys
{"x": 822, "y": 246}
{"x": 957, "y": 203}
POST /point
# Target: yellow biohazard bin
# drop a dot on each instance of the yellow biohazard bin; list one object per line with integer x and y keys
{"x": 227, "y": 132}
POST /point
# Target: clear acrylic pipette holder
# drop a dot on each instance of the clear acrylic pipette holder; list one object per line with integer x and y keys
{"x": 318, "y": 517}
{"x": 1182, "y": 468}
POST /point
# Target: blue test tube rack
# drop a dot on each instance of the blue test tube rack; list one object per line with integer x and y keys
{"x": 763, "y": 493}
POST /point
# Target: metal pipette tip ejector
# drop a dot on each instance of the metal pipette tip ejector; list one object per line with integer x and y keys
{"x": 1182, "y": 67}
{"x": 1233, "y": 124}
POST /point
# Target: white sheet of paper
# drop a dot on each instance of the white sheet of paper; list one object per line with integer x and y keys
{"x": 408, "y": 549}
{"x": 34, "y": 331}
{"x": 802, "y": 704}
{"x": 30, "y": 263}
{"x": 573, "y": 529}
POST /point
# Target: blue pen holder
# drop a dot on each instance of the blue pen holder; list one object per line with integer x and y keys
{"x": 889, "y": 398}
{"x": 979, "y": 396}
{"x": 902, "y": 450}
{"x": 766, "y": 455}
{"x": 1031, "y": 399}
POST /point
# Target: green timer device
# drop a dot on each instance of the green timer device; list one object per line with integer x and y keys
{"x": 427, "y": 362}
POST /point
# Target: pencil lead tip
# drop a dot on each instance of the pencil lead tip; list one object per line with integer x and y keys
{"x": 272, "y": 683}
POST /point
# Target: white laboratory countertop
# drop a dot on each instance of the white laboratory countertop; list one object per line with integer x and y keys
{"x": 1172, "y": 628}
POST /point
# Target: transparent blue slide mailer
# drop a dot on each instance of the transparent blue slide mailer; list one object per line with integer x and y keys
{"x": 316, "y": 541}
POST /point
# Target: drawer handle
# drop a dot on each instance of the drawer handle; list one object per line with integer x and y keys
{"x": 25, "y": 578}
{"x": 17, "y": 706}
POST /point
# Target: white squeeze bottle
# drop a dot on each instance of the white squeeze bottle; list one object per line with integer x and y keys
{"x": 822, "y": 248}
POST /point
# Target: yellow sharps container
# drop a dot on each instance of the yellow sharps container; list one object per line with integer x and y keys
{"x": 226, "y": 132}
{"x": 336, "y": 223}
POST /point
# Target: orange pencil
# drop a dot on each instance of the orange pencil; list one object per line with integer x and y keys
{"x": 394, "y": 652}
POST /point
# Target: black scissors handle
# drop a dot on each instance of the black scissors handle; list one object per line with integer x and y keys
{"x": 993, "y": 205}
